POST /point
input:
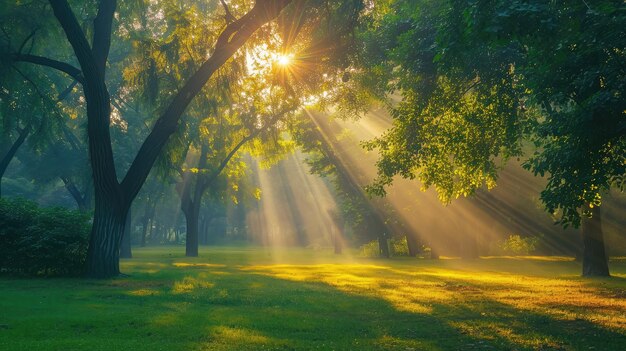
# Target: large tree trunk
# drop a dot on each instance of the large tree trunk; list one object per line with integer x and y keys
{"x": 595, "y": 260}
{"x": 6, "y": 159}
{"x": 106, "y": 233}
{"x": 112, "y": 197}
{"x": 191, "y": 219}
{"x": 125, "y": 248}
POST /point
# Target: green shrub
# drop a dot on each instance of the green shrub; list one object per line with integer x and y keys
{"x": 399, "y": 247}
{"x": 516, "y": 245}
{"x": 370, "y": 249}
{"x": 42, "y": 241}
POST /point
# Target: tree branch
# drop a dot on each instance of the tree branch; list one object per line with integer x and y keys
{"x": 74, "y": 33}
{"x": 44, "y": 61}
{"x": 29, "y": 37}
{"x": 102, "y": 29}
{"x": 230, "y": 40}
{"x": 242, "y": 142}
{"x": 229, "y": 16}
{"x": 65, "y": 93}
{"x": 96, "y": 92}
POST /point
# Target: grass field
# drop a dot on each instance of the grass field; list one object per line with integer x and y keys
{"x": 253, "y": 299}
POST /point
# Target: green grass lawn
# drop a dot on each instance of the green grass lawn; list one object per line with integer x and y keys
{"x": 254, "y": 299}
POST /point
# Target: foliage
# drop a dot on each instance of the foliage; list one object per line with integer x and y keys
{"x": 517, "y": 245}
{"x": 369, "y": 249}
{"x": 477, "y": 79}
{"x": 398, "y": 247}
{"x": 42, "y": 241}
{"x": 457, "y": 118}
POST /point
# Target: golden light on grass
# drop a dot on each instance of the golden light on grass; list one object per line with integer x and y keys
{"x": 420, "y": 290}
{"x": 229, "y": 335}
{"x": 190, "y": 284}
{"x": 144, "y": 292}
{"x": 197, "y": 265}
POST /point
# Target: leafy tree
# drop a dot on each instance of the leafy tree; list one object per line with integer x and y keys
{"x": 476, "y": 79}
{"x": 113, "y": 197}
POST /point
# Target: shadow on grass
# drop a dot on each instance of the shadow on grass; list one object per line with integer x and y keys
{"x": 214, "y": 306}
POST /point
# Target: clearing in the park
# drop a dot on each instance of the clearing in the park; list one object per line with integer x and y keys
{"x": 301, "y": 299}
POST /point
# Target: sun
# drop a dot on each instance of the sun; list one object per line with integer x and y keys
{"x": 284, "y": 59}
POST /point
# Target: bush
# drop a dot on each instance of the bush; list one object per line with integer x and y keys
{"x": 399, "y": 247}
{"x": 370, "y": 249}
{"x": 42, "y": 241}
{"x": 516, "y": 245}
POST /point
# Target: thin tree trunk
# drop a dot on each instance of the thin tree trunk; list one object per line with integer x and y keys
{"x": 144, "y": 223}
{"x": 125, "y": 247}
{"x": 81, "y": 201}
{"x": 595, "y": 260}
{"x": 191, "y": 243}
{"x": 383, "y": 245}
{"x": 6, "y": 159}
{"x": 413, "y": 245}
{"x": 151, "y": 226}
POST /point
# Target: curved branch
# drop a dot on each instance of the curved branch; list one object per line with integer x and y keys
{"x": 243, "y": 141}
{"x": 230, "y": 40}
{"x": 58, "y": 65}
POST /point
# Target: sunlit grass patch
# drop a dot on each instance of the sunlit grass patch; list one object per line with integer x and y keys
{"x": 416, "y": 289}
{"x": 238, "y": 336}
{"x": 189, "y": 284}
{"x": 245, "y": 299}
{"x": 533, "y": 258}
{"x": 144, "y": 292}
{"x": 197, "y": 265}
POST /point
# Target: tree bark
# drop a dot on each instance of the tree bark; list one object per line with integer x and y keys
{"x": 595, "y": 259}
{"x": 112, "y": 197}
{"x": 106, "y": 234}
{"x": 6, "y": 159}
{"x": 125, "y": 247}
{"x": 191, "y": 242}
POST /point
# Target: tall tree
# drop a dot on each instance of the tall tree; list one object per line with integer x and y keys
{"x": 478, "y": 78}
{"x": 112, "y": 197}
